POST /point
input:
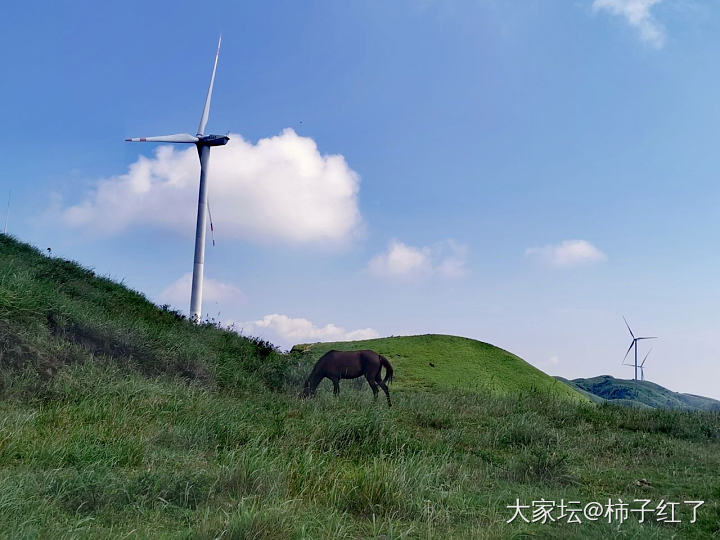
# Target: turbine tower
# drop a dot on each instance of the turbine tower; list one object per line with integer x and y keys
{"x": 633, "y": 344}
{"x": 203, "y": 143}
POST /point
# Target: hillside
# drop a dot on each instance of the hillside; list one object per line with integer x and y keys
{"x": 53, "y": 313}
{"x": 589, "y": 395}
{"x": 642, "y": 393}
{"x": 443, "y": 362}
{"x": 120, "y": 419}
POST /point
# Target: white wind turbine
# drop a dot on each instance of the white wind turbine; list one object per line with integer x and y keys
{"x": 203, "y": 143}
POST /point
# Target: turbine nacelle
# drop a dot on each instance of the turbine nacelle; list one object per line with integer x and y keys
{"x": 212, "y": 140}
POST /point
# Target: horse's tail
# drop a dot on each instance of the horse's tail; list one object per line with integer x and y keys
{"x": 388, "y": 368}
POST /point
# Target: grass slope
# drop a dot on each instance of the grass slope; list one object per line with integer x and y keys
{"x": 643, "y": 393}
{"x": 119, "y": 419}
{"x": 589, "y": 395}
{"x": 457, "y": 363}
{"x": 55, "y": 313}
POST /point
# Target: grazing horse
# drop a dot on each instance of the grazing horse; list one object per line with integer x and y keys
{"x": 336, "y": 365}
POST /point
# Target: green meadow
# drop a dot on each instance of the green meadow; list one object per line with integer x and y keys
{"x": 121, "y": 419}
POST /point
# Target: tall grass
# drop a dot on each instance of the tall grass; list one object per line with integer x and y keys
{"x": 112, "y": 452}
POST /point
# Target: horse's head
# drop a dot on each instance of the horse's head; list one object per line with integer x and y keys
{"x": 307, "y": 391}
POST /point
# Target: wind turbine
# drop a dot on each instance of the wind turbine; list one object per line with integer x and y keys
{"x": 642, "y": 364}
{"x": 203, "y": 143}
{"x": 7, "y": 213}
{"x": 634, "y": 344}
{"x": 642, "y": 370}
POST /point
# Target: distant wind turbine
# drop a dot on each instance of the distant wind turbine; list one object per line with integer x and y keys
{"x": 642, "y": 365}
{"x": 633, "y": 344}
{"x": 203, "y": 143}
{"x": 7, "y": 213}
{"x": 642, "y": 368}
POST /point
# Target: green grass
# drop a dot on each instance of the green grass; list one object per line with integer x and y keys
{"x": 457, "y": 363}
{"x": 55, "y": 313}
{"x": 120, "y": 419}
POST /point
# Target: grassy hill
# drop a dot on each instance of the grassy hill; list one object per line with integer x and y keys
{"x": 444, "y": 362}
{"x": 55, "y": 313}
{"x": 589, "y": 395}
{"x": 120, "y": 419}
{"x": 641, "y": 393}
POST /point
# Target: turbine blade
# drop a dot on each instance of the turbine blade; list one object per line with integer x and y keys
{"x": 206, "y": 110}
{"x": 177, "y": 137}
{"x": 648, "y": 354}
{"x": 653, "y": 337}
{"x": 628, "y": 327}
{"x": 628, "y": 351}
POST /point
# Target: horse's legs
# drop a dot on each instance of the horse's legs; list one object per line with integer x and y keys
{"x": 373, "y": 385}
{"x": 336, "y": 386}
{"x": 382, "y": 385}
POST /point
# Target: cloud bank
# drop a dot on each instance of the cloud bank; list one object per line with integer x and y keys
{"x": 401, "y": 261}
{"x": 281, "y": 188}
{"x": 569, "y": 253}
{"x": 298, "y": 330}
{"x": 637, "y": 14}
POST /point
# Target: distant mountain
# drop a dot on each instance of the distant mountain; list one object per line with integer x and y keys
{"x": 638, "y": 394}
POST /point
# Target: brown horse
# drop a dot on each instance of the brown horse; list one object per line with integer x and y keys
{"x": 336, "y": 365}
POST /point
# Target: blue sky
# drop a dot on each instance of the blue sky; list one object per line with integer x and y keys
{"x": 524, "y": 173}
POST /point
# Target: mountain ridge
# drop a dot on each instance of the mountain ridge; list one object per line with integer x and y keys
{"x": 627, "y": 392}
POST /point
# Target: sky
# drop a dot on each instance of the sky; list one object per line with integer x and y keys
{"x": 524, "y": 173}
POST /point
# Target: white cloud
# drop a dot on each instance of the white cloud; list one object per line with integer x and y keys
{"x": 177, "y": 294}
{"x": 566, "y": 254}
{"x": 407, "y": 262}
{"x": 401, "y": 260}
{"x": 281, "y": 188}
{"x": 452, "y": 263}
{"x": 637, "y": 14}
{"x": 298, "y": 330}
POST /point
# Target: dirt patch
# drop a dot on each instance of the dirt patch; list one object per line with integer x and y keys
{"x": 126, "y": 348}
{"x": 17, "y": 353}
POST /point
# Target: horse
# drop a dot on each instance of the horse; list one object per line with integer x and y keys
{"x": 336, "y": 365}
